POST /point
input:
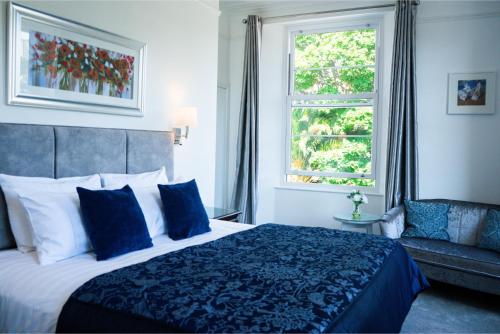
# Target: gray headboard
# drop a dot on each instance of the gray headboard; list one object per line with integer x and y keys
{"x": 62, "y": 151}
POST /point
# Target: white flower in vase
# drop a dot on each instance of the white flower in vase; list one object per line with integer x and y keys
{"x": 364, "y": 199}
{"x": 357, "y": 199}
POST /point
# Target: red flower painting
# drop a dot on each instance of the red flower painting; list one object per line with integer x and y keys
{"x": 68, "y": 65}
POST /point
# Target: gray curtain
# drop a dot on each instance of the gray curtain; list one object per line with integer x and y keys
{"x": 402, "y": 162}
{"x": 245, "y": 188}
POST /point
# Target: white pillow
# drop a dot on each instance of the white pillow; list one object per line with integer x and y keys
{"x": 18, "y": 218}
{"x": 56, "y": 220}
{"x": 150, "y": 201}
{"x": 117, "y": 181}
{"x": 152, "y": 207}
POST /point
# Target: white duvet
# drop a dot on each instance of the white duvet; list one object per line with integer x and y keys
{"x": 32, "y": 296}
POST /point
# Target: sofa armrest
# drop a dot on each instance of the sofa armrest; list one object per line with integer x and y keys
{"x": 393, "y": 222}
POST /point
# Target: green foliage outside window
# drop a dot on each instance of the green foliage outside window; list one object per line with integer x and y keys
{"x": 333, "y": 135}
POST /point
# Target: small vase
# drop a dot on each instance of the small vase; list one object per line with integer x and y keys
{"x": 64, "y": 83}
{"x": 49, "y": 80}
{"x": 100, "y": 87}
{"x": 356, "y": 214}
{"x": 36, "y": 76}
{"x": 73, "y": 84}
{"x": 84, "y": 85}
{"x": 112, "y": 90}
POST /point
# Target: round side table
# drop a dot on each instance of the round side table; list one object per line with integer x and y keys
{"x": 366, "y": 221}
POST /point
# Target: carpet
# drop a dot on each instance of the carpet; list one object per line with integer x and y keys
{"x": 445, "y": 308}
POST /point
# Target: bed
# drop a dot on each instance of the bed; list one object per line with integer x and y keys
{"x": 236, "y": 278}
{"x": 50, "y": 286}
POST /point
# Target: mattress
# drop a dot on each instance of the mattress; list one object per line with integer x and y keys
{"x": 32, "y": 296}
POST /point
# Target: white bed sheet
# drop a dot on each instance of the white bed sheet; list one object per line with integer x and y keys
{"x": 32, "y": 296}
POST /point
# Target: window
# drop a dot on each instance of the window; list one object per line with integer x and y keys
{"x": 331, "y": 104}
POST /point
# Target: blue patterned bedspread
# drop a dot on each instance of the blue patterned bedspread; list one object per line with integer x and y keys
{"x": 273, "y": 278}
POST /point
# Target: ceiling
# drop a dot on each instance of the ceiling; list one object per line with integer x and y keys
{"x": 285, "y": 7}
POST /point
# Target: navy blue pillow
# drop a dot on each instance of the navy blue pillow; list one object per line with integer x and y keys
{"x": 426, "y": 220}
{"x": 114, "y": 221}
{"x": 184, "y": 211}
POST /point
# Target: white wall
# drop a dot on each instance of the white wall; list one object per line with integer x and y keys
{"x": 235, "y": 64}
{"x": 181, "y": 70}
{"x": 459, "y": 154}
{"x": 223, "y": 95}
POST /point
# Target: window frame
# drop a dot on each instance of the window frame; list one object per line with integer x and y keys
{"x": 292, "y": 31}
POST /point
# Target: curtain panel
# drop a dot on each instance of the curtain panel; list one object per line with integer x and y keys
{"x": 247, "y": 164}
{"x": 402, "y": 155}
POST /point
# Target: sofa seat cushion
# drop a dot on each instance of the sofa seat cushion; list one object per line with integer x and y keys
{"x": 454, "y": 256}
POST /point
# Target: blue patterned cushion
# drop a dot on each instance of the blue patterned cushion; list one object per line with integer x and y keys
{"x": 114, "y": 221}
{"x": 184, "y": 210}
{"x": 490, "y": 237}
{"x": 426, "y": 220}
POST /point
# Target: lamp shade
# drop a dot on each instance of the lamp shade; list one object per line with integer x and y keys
{"x": 186, "y": 116}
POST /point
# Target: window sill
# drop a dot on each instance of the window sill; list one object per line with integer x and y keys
{"x": 367, "y": 192}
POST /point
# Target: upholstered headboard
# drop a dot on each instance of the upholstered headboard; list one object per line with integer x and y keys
{"x": 62, "y": 151}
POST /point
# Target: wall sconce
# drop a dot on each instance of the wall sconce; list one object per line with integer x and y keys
{"x": 184, "y": 117}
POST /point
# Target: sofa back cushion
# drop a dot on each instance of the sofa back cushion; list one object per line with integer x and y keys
{"x": 465, "y": 223}
{"x": 465, "y": 220}
{"x": 426, "y": 220}
{"x": 490, "y": 235}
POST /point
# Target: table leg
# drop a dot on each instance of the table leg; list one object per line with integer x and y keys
{"x": 369, "y": 229}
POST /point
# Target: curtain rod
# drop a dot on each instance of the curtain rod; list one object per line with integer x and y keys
{"x": 416, "y": 2}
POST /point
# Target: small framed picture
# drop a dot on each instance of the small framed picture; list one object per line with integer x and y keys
{"x": 471, "y": 93}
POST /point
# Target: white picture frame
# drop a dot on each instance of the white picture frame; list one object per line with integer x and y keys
{"x": 56, "y": 63}
{"x": 471, "y": 93}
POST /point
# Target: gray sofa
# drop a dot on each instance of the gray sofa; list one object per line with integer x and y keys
{"x": 458, "y": 261}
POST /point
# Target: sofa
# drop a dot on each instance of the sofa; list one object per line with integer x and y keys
{"x": 458, "y": 261}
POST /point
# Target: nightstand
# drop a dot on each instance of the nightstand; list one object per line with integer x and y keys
{"x": 223, "y": 214}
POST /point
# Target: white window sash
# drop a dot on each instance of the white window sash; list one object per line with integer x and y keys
{"x": 291, "y": 97}
{"x": 340, "y": 175}
{"x": 342, "y": 97}
{"x": 332, "y": 67}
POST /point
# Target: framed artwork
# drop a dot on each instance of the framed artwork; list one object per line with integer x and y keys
{"x": 60, "y": 64}
{"x": 471, "y": 93}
